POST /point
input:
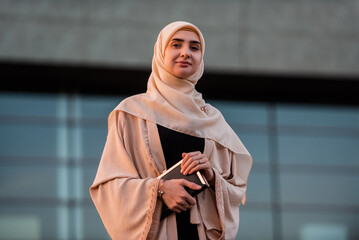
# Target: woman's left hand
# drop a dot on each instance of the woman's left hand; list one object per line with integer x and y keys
{"x": 195, "y": 161}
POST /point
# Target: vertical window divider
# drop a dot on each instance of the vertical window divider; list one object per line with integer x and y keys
{"x": 274, "y": 172}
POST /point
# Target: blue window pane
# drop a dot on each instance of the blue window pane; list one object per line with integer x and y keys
{"x": 28, "y": 182}
{"x": 255, "y": 225}
{"x": 257, "y": 145}
{"x": 28, "y": 104}
{"x": 25, "y": 218}
{"x": 245, "y": 113}
{"x": 296, "y": 225}
{"x": 28, "y": 140}
{"x": 319, "y": 150}
{"x": 258, "y": 189}
{"x": 318, "y": 116}
{"x": 93, "y": 142}
{"x": 98, "y": 106}
{"x": 88, "y": 178}
{"x": 93, "y": 226}
{"x": 320, "y": 189}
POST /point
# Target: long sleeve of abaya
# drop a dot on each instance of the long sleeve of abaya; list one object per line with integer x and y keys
{"x": 220, "y": 214}
{"x": 124, "y": 196}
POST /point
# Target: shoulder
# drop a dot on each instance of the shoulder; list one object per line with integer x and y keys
{"x": 121, "y": 118}
{"x": 124, "y": 124}
{"x": 120, "y": 112}
{"x": 130, "y": 101}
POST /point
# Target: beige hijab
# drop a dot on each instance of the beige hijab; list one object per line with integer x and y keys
{"x": 174, "y": 103}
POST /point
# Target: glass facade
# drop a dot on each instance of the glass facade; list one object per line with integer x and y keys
{"x": 303, "y": 185}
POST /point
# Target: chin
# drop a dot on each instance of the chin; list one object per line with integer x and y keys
{"x": 183, "y": 74}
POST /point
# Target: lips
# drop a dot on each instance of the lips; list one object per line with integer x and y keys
{"x": 184, "y": 63}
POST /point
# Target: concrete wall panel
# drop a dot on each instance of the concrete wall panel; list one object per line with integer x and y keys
{"x": 306, "y": 36}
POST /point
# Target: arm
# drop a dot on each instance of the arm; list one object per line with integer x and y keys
{"x": 126, "y": 202}
{"x": 220, "y": 208}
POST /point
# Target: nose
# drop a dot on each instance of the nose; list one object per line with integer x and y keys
{"x": 186, "y": 53}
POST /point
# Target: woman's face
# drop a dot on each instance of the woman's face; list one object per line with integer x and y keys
{"x": 183, "y": 54}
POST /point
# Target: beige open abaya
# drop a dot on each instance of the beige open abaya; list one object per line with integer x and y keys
{"x": 125, "y": 188}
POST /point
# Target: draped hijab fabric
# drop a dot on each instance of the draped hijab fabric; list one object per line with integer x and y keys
{"x": 174, "y": 102}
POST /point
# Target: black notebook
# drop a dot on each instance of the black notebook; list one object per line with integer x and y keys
{"x": 175, "y": 173}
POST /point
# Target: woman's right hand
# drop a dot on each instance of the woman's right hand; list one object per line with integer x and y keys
{"x": 175, "y": 195}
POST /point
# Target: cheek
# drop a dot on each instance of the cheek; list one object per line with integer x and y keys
{"x": 197, "y": 59}
{"x": 167, "y": 61}
{"x": 168, "y": 56}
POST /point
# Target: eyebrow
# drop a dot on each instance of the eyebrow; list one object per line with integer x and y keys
{"x": 181, "y": 40}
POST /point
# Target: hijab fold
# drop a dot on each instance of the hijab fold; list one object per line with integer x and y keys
{"x": 174, "y": 102}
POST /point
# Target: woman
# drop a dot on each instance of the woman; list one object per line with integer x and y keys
{"x": 149, "y": 132}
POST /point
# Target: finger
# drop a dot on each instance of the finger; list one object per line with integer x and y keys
{"x": 188, "y": 160}
{"x": 182, "y": 208}
{"x": 189, "y": 155}
{"x": 184, "y": 204}
{"x": 176, "y": 209}
{"x": 200, "y": 160}
{"x": 190, "y": 185}
{"x": 199, "y": 167}
{"x": 193, "y": 153}
{"x": 190, "y": 166}
{"x": 190, "y": 203}
{"x": 202, "y": 166}
{"x": 190, "y": 200}
{"x": 186, "y": 156}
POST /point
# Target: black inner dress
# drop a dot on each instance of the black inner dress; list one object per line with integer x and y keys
{"x": 173, "y": 145}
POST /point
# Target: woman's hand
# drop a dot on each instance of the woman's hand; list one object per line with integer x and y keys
{"x": 175, "y": 195}
{"x": 195, "y": 161}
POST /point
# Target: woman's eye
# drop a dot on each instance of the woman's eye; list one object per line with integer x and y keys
{"x": 195, "y": 48}
{"x": 176, "y": 45}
